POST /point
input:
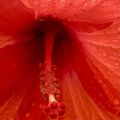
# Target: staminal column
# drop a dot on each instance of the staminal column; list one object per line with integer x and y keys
{"x": 49, "y": 83}
{"x": 49, "y": 43}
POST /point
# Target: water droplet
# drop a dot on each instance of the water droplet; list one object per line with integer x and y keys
{"x": 11, "y": 118}
{"x": 93, "y": 117}
{"x": 33, "y": 104}
{"x": 37, "y": 119}
{"x": 104, "y": 86}
{"x": 116, "y": 102}
{"x": 100, "y": 81}
{"x": 116, "y": 63}
{"x": 27, "y": 115}
{"x": 13, "y": 66}
{"x": 119, "y": 29}
{"x": 62, "y": 0}
{"x": 92, "y": 81}
{"x": 100, "y": 94}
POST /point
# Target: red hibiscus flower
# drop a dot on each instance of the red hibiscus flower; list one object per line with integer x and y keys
{"x": 59, "y": 59}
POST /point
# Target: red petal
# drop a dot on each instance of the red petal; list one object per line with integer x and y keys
{"x": 14, "y": 16}
{"x": 78, "y": 10}
{"x": 81, "y": 50}
{"x": 91, "y": 75}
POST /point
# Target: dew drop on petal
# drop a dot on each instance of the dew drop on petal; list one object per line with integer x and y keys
{"x": 100, "y": 81}
{"x": 11, "y": 118}
{"x": 116, "y": 102}
{"x": 33, "y": 104}
{"x": 27, "y": 115}
{"x": 62, "y": 0}
{"x": 119, "y": 29}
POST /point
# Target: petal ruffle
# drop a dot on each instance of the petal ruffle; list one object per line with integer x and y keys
{"x": 77, "y": 10}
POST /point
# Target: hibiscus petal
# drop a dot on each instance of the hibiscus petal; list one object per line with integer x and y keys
{"x": 77, "y": 10}
{"x": 78, "y": 102}
{"x": 105, "y": 47}
{"x": 14, "y": 16}
{"x": 102, "y": 54}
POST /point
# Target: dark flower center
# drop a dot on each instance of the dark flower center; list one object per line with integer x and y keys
{"x": 50, "y": 33}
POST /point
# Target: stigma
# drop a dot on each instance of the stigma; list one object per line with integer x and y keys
{"x": 54, "y": 110}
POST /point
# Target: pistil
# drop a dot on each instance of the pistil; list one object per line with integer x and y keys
{"x": 49, "y": 84}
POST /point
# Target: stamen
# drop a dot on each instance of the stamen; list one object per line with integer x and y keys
{"x": 49, "y": 84}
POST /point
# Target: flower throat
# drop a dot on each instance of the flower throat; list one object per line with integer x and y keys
{"x": 49, "y": 83}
